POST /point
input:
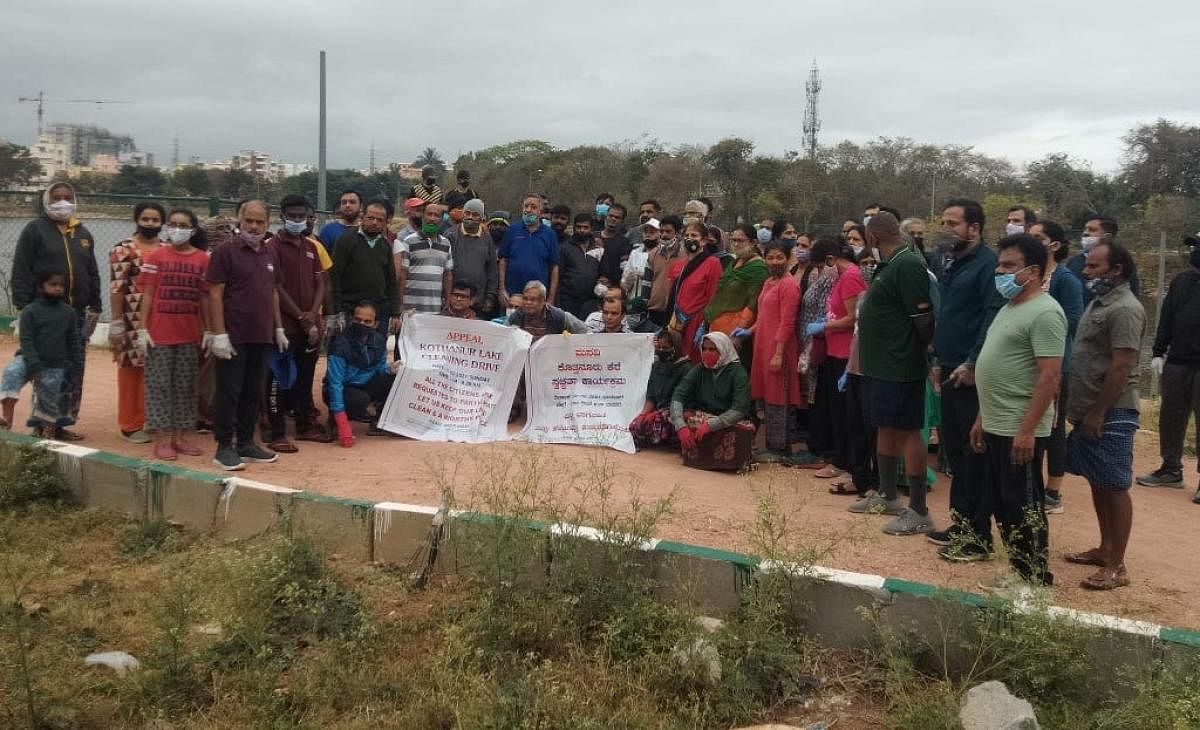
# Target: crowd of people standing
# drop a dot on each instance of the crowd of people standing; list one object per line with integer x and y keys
{"x": 848, "y": 353}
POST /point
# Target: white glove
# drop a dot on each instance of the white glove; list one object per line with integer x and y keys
{"x": 600, "y": 290}
{"x": 1156, "y": 365}
{"x": 281, "y": 340}
{"x": 16, "y": 325}
{"x": 221, "y": 347}
{"x": 395, "y": 366}
{"x": 143, "y": 341}
{"x": 335, "y": 324}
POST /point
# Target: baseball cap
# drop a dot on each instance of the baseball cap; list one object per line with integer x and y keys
{"x": 414, "y": 204}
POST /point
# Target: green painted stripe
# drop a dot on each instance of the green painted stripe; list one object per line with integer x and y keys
{"x": 17, "y": 438}
{"x": 708, "y": 553}
{"x": 326, "y": 499}
{"x": 924, "y": 590}
{"x": 6, "y": 323}
{"x": 106, "y": 457}
{"x": 184, "y": 472}
{"x": 1180, "y": 636}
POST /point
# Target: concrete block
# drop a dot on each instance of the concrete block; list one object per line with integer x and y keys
{"x": 404, "y": 535}
{"x": 515, "y": 548}
{"x": 832, "y": 603}
{"x": 246, "y": 508}
{"x": 114, "y": 482}
{"x": 707, "y": 580}
{"x": 184, "y": 497}
{"x": 599, "y": 553}
{"x": 70, "y": 462}
{"x": 342, "y": 527}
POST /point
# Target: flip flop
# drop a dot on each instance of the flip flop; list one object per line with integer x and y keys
{"x": 1087, "y": 557}
{"x": 1098, "y": 582}
{"x": 829, "y": 472}
{"x": 844, "y": 489}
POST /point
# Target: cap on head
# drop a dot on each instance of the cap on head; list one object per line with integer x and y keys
{"x": 474, "y": 205}
{"x": 427, "y": 171}
{"x": 652, "y": 223}
{"x": 499, "y": 215}
{"x": 414, "y": 204}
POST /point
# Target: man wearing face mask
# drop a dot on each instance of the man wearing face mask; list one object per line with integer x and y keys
{"x": 459, "y": 196}
{"x": 475, "y": 258}
{"x": 1019, "y": 219}
{"x": 58, "y": 240}
{"x": 425, "y": 270}
{"x": 243, "y": 276}
{"x": 603, "y": 202}
{"x": 1177, "y": 362}
{"x": 615, "y": 244}
{"x": 364, "y": 270}
{"x": 1096, "y": 230}
{"x": 668, "y": 251}
{"x": 694, "y": 211}
{"x": 497, "y": 225}
{"x": 301, "y": 287}
{"x": 649, "y": 208}
{"x": 579, "y": 272}
{"x": 528, "y": 252}
{"x": 1018, "y": 371}
{"x": 636, "y": 277}
{"x": 428, "y": 189}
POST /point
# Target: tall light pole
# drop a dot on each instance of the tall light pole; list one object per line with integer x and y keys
{"x": 321, "y": 202}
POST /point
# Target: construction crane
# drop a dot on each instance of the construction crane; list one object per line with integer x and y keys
{"x": 42, "y": 101}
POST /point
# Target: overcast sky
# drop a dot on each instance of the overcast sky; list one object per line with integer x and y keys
{"x": 1015, "y": 79}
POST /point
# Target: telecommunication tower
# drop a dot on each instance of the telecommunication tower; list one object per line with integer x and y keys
{"x": 812, "y": 123}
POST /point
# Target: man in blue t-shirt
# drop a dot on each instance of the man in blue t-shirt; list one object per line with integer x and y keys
{"x": 529, "y": 252}
{"x": 349, "y": 208}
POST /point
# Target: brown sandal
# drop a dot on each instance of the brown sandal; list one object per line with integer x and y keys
{"x": 1106, "y": 579}
{"x": 843, "y": 487}
{"x": 1087, "y": 557}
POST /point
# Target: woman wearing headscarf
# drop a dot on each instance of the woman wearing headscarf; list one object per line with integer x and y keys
{"x": 733, "y": 307}
{"x": 693, "y": 284}
{"x": 709, "y": 408}
{"x": 653, "y": 425}
{"x": 774, "y": 377}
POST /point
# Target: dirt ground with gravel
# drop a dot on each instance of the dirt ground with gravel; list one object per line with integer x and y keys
{"x": 719, "y": 510}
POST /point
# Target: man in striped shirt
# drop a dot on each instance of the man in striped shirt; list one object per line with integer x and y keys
{"x": 426, "y": 266}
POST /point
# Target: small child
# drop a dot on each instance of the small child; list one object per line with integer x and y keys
{"x": 49, "y": 338}
{"x": 174, "y": 317}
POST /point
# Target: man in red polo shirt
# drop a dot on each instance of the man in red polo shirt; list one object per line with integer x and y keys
{"x": 244, "y": 305}
{"x": 301, "y": 292}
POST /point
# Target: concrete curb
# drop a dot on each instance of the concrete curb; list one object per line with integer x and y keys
{"x": 707, "y": 579}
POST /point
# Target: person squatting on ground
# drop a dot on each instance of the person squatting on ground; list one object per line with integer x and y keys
{"x": 174, "y": 315}
{"x": 709, "y": 408}
{"x": 1103, "y": 408}
{"x": 357, "y": 374}
{"x": 58, "y": 240}
{"x": 49, "y": 357}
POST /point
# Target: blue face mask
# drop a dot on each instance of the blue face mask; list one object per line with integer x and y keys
{"x": 295, "y": 227}
{"x": 530, "y": 218}
{"x": 601, "y": 210}
{"x": 445, "y": 217}
{"x": 1007, "y": 284}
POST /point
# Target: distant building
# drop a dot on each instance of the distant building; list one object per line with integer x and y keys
{"x": 407, "y": 171}
{"x": 84, "y": 141}
{"x": 54, "y": 157}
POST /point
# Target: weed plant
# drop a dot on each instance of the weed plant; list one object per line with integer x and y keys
{"x": 29, "y": 479}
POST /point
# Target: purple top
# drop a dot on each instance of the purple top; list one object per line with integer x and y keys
{"x": 249, "y": 277}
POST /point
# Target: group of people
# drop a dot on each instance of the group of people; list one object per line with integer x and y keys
{"x": 846, "y": 352}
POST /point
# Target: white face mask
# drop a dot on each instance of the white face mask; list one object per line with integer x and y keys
{"x": 61, "y": 209}
{"x": 1088, "y": 241}
{"x": 179, "y": 235}
{"x": 295, "y": 227}
{"x": 1013, "y": 229}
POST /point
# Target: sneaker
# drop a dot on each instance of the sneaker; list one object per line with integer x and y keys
{"x": 909, "y": 523}
{"x": 1053, "y": 504}
{"x": 136, "y": 437}
{"x": 944, "y": 537}
{"x": 257, "y": 454}
{"x": 1162, "y": 478}
{"x": 228, "y": 459}
{"x": 965, "y": 552}
{"x": 875, "y": 504}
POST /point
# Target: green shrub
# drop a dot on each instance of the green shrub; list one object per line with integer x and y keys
{"x": 28, "y": 477}
{"x": 149, "y": 537}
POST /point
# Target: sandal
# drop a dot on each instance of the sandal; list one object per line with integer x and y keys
{"x": 1087, "y": 557}
{"x": 283, "y": 446}
{"x": 843, "y": 488}
{"x": 829, "y": 472}
{"x": 165, "y": 451}
{"x": 186, "y": 448}
{"x": 1106, "y": 579}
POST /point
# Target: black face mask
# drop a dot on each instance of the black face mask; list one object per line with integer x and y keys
{"x": 360, "y": 331}
{"x": 664, "y": 355}
{"x": 581, "y": 237}
{"x": 52, "y": 298}
{"x": 691, "y": 246}
{"x": 429, "y": 182}
{"x": 919, "y": 241}
{"x": 148, "y": 231}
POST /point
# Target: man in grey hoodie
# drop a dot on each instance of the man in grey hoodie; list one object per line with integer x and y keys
{"x": 475, "y": 257}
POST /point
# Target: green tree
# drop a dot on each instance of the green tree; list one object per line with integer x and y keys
{"x": 430, "y": 156}
{"x": 17, "y": 166}
{"x": 190, "y": 180}
{"x": 1161, "y": 159}
{"x": 139, "y": 180}
{"x": 729, "y": 160}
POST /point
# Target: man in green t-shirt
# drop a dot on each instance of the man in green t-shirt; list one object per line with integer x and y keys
{"x": 1017, "y": 376}
{"x": 895, "y": 327}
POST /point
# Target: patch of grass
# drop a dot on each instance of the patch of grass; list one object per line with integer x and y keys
{"x": 29, "y": 478}
{"x": 149, "y": 537}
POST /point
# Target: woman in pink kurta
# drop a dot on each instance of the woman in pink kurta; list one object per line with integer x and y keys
{"x": 774, "y": 375}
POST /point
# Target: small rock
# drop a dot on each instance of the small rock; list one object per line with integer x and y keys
{"x": 208, "y": 629}
{"x": 699, "y": 656}
{"x": 119, "y": 661}
{"x": 32, "y": 607}
{"x": 990, "y": 706}
{"x": 710, "y": 624}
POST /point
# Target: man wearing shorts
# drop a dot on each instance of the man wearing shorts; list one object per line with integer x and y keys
{"x": 1017, "y": 375}
{"x": 1103, "y": 407}
{"x": 895, "y": 329}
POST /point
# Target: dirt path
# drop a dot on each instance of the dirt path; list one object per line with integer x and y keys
{"x": 719, "y": 510}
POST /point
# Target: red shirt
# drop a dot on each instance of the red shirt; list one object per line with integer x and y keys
{"x": 849, "y": 284}
{"x": 179, "y": 288}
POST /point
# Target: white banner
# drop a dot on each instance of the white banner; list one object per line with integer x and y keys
{"x": 586, "y": 389}
{"x": 458, "y": 380}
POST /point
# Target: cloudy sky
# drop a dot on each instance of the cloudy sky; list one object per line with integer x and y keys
{"x": 1017, "y": 79}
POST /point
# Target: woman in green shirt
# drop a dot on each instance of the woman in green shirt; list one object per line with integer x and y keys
{"x": 710, "y": 406}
